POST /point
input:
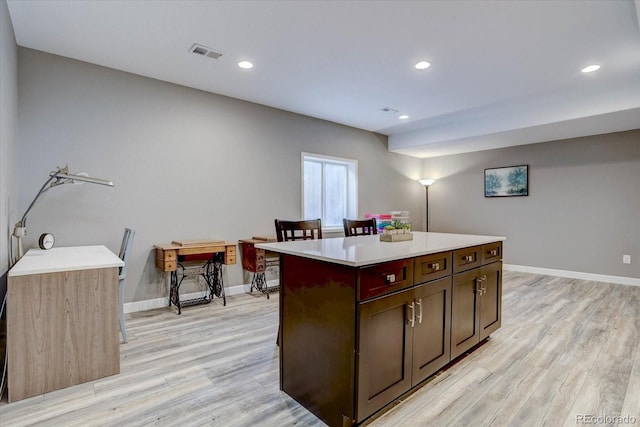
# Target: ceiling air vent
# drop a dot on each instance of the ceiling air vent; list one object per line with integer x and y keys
{"x": 199, "y": 49}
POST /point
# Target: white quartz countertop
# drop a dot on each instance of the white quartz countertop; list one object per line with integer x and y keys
{"x": 367, "y": 250}
{"x": 38, "y": 261}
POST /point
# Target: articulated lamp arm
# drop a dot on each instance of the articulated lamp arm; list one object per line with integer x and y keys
{"x": 57, "y": 177}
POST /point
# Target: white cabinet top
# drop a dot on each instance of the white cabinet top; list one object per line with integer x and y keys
{"x": 38, "y": 261}
{"x": 367, "y": 250}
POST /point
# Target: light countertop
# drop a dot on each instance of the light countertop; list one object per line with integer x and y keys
{"x": 38, "y": 261}
{"x": 367, "y": 250}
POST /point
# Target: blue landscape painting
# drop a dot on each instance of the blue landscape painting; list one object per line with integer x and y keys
{"x": 506, "y": 182}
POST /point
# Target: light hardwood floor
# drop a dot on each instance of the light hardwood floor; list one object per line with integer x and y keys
{"x": 567, "y": 348}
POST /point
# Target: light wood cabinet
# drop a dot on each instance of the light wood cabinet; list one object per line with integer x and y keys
{"x": 62, "y": 326}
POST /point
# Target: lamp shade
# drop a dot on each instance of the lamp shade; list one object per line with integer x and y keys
{"x": 426, "y": 181}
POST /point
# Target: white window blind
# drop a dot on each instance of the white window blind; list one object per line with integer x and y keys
{"x": 329, "y": 189}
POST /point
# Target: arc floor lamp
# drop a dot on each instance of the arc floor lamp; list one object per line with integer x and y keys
{"x": 426, "y": 182}
{"x": 57, "y": 177}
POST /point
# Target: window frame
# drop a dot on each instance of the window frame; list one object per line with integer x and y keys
{"x": 351, "y": 190}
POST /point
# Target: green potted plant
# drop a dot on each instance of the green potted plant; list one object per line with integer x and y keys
{"x": 398, "y": 226}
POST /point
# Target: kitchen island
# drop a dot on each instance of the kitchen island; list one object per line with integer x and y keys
{"x": 365, "y": 322}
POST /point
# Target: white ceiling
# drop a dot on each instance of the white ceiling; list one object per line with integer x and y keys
{"x": 503, "y": 72}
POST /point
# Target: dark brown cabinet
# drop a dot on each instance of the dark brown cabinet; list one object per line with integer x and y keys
{"x": 403, "y": 339}
{"x": 476, "y": 300}
{"x": 432, "y": 330}
{"x": 384, "y": 351}
{"x": 356, "y": 339}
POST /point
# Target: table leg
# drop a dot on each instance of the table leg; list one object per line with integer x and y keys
{"x": 261, "y": 282}
{"x": 213, "y": 277}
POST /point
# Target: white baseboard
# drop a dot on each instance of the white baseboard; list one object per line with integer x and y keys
{"x": 573, "y": 274}
{"x": 150, "y": 304}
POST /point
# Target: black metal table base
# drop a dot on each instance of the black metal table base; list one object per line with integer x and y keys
{"x": 259, "y": 281}
{"x": 211, "y": 271}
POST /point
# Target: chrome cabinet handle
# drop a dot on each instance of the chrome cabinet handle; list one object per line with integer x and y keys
{"x": 435, "y": 266}
{"x": 493, "y": 252}
{"x": 481, "y": 290}
{"x": 468, "y": 258}
{"x": 412, "y": 320}
{"x": 419, "y": 302}
{"x": 391, "y": 278}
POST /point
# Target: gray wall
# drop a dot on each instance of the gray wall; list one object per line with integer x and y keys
{"x": 187, "y": 164}
{"x": 8, "y": 132}
{"x": 582, "y": 214}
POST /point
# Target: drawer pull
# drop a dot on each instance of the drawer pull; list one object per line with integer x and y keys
{"x": 493, "y": 252}
{"x": 467, "y": 258}
{"x": 435, "y": 266}
{"x": 391, "y": 278}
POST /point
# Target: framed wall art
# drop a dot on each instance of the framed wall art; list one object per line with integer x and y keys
{"x": 507, "y": 181}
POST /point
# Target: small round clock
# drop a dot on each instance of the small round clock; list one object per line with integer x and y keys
{"x": 46, "y": 241}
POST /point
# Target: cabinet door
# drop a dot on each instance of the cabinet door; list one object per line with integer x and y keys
{"x": 384, "y": 351}
{"x": 432, "y": 331}
{"x": 491, "y": 299}
{"x": 465, "y": 314}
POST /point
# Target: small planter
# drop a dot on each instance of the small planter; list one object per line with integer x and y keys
{"x": 388, "y": 237}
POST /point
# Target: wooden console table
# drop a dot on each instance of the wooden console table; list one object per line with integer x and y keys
{"x": 256, "y": 261}
{"x": 62, "y": 319}
{"x": 214, "y": 253}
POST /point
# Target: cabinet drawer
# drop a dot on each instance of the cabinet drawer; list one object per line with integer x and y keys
{"x": 467, "y": 258}
{"x": 166, "y": 265}
{"x": 385, "y": 278}
{"x": 491, "y": 252}
{"x": 431, "y": 267}
{"x": 166, "y": 255}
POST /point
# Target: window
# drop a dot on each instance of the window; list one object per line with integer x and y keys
{"x": 329, "y": 189}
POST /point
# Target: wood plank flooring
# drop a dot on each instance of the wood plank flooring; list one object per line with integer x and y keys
{"x": 567, "y": 348}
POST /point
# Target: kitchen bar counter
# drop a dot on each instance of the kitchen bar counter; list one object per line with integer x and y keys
{"x": 366, "y": 250}
{"x": 363, "y": 323}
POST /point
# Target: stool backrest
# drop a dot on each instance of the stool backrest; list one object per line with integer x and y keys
{"x": 125, "y": 250}
{"x": 298, "y": 230}
{"x": 359, "y": 227}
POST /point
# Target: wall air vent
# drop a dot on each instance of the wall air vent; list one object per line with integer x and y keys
{"x": 199, "y": 49}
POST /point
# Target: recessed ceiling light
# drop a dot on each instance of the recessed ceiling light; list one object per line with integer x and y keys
{"x": 245, "y": 64}
{"x": 422, "y": 65}
{"x": 590, "y": 68}
{"x": 403, "y": 117}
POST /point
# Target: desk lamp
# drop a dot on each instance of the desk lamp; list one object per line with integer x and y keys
{"x": 427, "y": 182}
{"x": 57, "y": 177}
